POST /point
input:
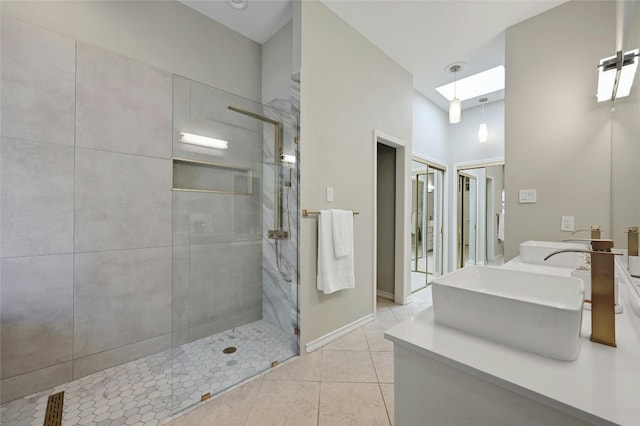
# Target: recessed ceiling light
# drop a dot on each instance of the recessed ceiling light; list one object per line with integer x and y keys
{"x": 238, "y": 4}
{"x": 475, "y": 85}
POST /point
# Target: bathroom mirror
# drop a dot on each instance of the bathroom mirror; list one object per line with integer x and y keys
{"x": 480, "y": 216}
{"x": 427, "y": 197}
{"x": 625, "y": 151}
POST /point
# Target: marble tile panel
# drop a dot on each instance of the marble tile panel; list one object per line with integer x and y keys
{"x": 121, "y": 297}
{"x": 37, "y": 313}
{"x": 37, "y": 198}
{"x": 121, "y": 201}
{"x": 354, "y": 341}
{"x": 348, "y": 366}
{"x": 383, "y": 362}
{"x": 352, "y": 404}
{"x": 38, "y": 84}
{"x": 285, "y": 403}
{"x": 122, "y": 105}
{"x": 34, "y": 381}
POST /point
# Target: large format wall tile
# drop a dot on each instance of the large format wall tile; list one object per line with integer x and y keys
{"x": 122, "y": 201}
{"x": 38, "y": 84}
{"x": 35, "y": 381}
{"x": 110, "y": 358}
{"x": 224, "y": 280}
{"x": 121, "y": 297}
{"x": 37, "y": 312}
{"x": 122, "y": 105}
{"x": 37, "y": 198}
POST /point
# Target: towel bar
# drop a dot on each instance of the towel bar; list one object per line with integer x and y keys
{"x": 307, "y": 213}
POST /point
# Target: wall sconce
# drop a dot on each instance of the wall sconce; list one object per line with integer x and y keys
{"x": 455, "y": 107}
{"x": 616, "y": 74}
{"x": 192, "y": 139}
{"x": 483, "y": 131}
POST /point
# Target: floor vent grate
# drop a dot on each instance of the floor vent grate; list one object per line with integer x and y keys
{"x": 53, "y": 415}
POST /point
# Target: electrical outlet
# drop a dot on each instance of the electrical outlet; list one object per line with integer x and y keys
{"x": 568, "y": 223}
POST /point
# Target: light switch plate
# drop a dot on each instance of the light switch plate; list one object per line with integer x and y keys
{"x": 329, "y": 193}
{"x": 527, "y": 196}
{"x": 568, "y": 223}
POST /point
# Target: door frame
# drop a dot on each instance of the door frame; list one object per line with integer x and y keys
{"x": 402, "y": 210}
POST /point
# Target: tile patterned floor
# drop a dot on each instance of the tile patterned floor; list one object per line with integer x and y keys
{"x": 347, "y": 382}
{"x": 146, "y": 391}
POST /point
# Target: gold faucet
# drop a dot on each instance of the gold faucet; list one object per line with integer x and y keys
{"x": 595, "y": 231}
{"x": 603, "y": 318}
{"x": 632, "y": 237}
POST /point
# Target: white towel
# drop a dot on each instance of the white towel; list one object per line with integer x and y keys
{"x": 334, "y": 273}
{"x": 501, "y": 226}
{"x": 342, "y": 227}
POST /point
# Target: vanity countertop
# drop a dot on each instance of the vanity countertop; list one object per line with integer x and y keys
{"x": 602, "y": 386}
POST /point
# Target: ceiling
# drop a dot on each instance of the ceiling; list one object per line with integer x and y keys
{"x": 423, "y": 36}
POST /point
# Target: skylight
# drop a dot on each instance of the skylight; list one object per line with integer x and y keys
{"x": 475, "y": 85}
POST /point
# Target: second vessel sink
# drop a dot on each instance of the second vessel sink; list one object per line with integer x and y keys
{"x": 535, "y": 252}
{"x": 534, "y": 312}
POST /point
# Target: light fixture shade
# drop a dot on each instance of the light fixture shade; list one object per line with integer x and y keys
{"x": 455, "y": 111}
{"x": 606, "y": 81}
{"x": 204, "y": 141}
{"x": 608, "y": 74}
{"x": 483, "y": 132}
{"x": 627, "y": 74}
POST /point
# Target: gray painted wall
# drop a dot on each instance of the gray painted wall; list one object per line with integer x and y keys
{"x": 349, "y": 88}
{"x": 558, "y": 138}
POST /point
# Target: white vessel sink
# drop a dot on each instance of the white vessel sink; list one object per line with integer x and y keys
{"x": 535, "y": 312}
{"x": 535, "y": 252}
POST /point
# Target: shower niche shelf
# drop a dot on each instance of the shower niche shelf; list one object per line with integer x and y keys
{"x": 200, "y": 176}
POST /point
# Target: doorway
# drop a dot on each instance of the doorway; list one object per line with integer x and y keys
{"x": 385, "y": 209}
{"x": 391, "y": 222}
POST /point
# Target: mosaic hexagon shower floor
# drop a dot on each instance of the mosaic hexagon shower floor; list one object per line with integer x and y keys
{"x": 149, "y": 390}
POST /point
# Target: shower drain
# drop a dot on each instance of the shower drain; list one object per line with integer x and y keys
{"x": 53, "y": 414}
{"x": 229, "y": 350}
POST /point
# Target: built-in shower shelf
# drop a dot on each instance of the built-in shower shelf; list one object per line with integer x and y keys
{"x": 200, "y": 176}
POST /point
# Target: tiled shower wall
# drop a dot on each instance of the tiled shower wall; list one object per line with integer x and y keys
{"x": 87, "y": 242}
{"x": 217, "y": 238}
{"x": 86, "y": 209}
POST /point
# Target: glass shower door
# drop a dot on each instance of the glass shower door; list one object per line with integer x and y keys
{"x": 234, "y": 287}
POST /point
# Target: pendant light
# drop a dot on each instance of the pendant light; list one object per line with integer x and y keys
{"x": 483, "y": 131}
{"x": 455, "y": 107}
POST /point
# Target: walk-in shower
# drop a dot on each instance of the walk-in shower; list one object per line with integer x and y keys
{"x": 213, "y": 305}
{"x": 235, "y": 251}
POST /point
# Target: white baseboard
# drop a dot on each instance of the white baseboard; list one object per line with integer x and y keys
{"x": 336, "y": 334}
{"x": 385, "y": 295}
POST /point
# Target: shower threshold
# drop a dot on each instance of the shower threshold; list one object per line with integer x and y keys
{"x": 151, "y": 389}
